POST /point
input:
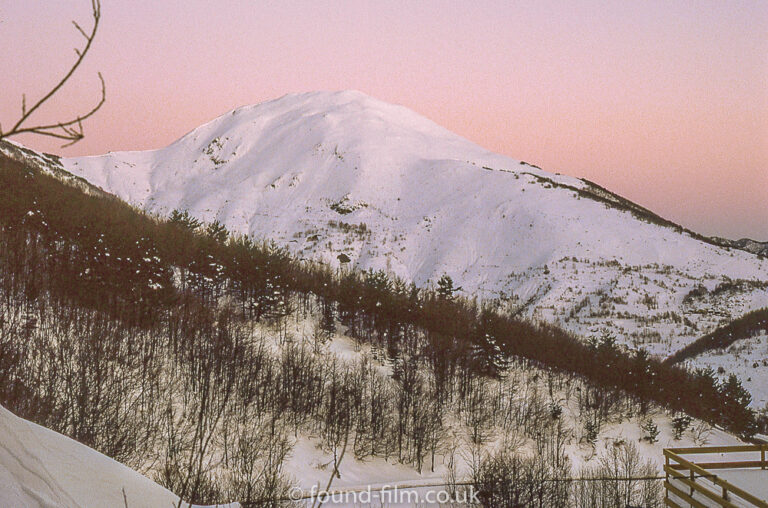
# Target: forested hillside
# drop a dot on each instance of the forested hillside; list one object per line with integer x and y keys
{"x": 134, "y": 335}
{"x": 747, "y": 326}
{"x": 739, "y": 348}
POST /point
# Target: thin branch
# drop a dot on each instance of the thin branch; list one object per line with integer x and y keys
{"x": 79, "y": 29}
{"x": 74, "y": 121}
{"x": 335, "y": 471}
{"x": 63, "y": 130}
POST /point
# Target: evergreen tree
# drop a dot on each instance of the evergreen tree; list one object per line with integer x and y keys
{"x": 735, "y": 401}
{"x": 184, "y": 220}
{"x": 680, "y": 423}
{"x": 217, "y": 232}
{"x": 651, "y": 431}
{"x": 378, "y": 280}
{"x": 327, "y": 321}
{"x": 445, "y": 287}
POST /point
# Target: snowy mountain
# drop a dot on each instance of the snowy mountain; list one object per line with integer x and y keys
{"x": 331, "y": 173}
{"x": 299, "y": 356}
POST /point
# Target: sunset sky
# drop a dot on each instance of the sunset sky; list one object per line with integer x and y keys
{"x": 664, "y": 102}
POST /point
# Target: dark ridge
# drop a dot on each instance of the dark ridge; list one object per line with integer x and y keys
{"x": 611, "y": 199}
{"x": 744, "y": 327}
{"x": 642, "y": 213}
{"x": 48, "y": 163}
{"x": 749, "y": 245}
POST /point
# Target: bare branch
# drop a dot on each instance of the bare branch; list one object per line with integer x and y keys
{"x": 63, "y": 130}
{"x": 79, "y": 118}
{"x": 79, "y": 29}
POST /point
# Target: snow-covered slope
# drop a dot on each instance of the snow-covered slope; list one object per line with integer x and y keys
{"x": 327, "y": 173}
{"x": 39, "y": 467}
{"x": 748, "y": 359}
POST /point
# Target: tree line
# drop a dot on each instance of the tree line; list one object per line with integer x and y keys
{"x": 746, "y": 326}
{"x": 122, "y": 261}
{"x": 133, "y": 334}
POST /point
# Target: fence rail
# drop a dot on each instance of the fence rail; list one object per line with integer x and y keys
{"x": 696, "y": 485}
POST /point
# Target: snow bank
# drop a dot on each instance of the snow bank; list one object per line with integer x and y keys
{"x": 42, "y": 468}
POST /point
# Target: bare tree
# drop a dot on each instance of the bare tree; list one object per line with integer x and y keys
{"x": 70, "y": 130}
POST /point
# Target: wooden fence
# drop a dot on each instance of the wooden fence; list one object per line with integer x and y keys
{"x": 695, "y": 484}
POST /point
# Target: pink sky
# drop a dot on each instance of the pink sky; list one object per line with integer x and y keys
{"x": 664, "y": 102}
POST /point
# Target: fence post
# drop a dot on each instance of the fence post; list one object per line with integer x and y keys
{"x": 693, "y": 479}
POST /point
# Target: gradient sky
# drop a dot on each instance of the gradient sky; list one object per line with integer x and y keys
{"x": 664, "y": 102}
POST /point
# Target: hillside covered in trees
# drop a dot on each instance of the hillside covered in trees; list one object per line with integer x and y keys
{"x": 747, "y": 326}
{"x": 133, "y": 334}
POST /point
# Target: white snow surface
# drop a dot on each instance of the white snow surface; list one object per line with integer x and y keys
{"x": 42, "y": 468}
{"x": 39, "y": 467}
{"x": 326, "y": 173}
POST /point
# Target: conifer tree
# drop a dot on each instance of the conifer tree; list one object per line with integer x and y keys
{"x": 184, "y": 220}
{"x": 217, "y": 232}
{"x": 445, "y": 287}
{"x": 680, "y": 423}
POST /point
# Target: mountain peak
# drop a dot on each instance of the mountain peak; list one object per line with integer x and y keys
{"x": 348, "y": 116}
{"x": 346, "y": 137}
{"x": 329, "y": 100}
{"x": 331, "y": 173}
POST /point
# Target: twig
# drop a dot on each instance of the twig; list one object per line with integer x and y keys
{"x": 69, "y": 130}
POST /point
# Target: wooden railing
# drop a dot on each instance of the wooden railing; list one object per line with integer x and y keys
{"x": 696, "y": 485}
